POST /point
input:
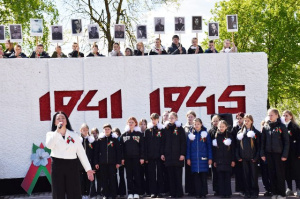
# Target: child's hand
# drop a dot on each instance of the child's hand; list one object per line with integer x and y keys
{"x": 142, "y": 161}
{"x": 97, "y": 166}
{"x": 162, "y": 158}
{"x": 283, "y": 159}
{"x": 188, "y": 162}
{"x": 209, "y": 162}
{"x": 181, "y": 158}
{"x": 263, "y": 158}
{"x": 215, "y": 164}
{"x": 232, "y": 164}
{"x": 240, "y": 160}
{"x": 123, "y": 162}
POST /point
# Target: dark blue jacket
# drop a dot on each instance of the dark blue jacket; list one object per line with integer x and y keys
{"x": 199, "y": 152}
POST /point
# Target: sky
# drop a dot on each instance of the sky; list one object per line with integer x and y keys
{"x": 187, "y": 9}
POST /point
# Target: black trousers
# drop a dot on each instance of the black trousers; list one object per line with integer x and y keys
{"x": 122, "y": 185}
{"x": 175, "y": 180}
{"x": 239, "y": 180}
{"x": 166, "y": 179}
{"x": 200, "y": 183}
{"x": 215, "y": 179}
{"x": 96, "y": 185}
{"x": 189, "y": 182}
{"x": 108, "y": 174}
{"x": 276, "y": 173}
{"x": 85, "y": 184}
{"x": 65, "y": 179}
{"x": 224, "y": 183}
{"x": 133, "y": 175}
{"x": 265, "y": 175}
{"x": 155, "y": 173}
{"x": 145, "y": 178}
{"x": 250, "y": 178}
{"x": 290, "y": 184}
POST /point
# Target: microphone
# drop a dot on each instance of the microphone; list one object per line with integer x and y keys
{"x": 60, "y": 125}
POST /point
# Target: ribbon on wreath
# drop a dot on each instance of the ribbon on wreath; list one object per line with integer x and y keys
{"x": 41, "y": 161}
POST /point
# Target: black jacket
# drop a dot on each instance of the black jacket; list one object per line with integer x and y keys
{"x": 223, "y": 155}
{"x": 244, "y": 150}
{"x": 210, "y": 51}
{"x": 153, "y": 143}
{"x": 132, "y": 145}
{"x": 294, "y": 132}
{"x": 192, "y": 51}
{"x": 173, "y": 50}
{"x": 89, "y": 150}
{"x": 22, "y": 55}
{"x": 75, "y": 54}
{"x": 54, "y": 55}
{"x": 139, "y": 53}
{"x": 7, "y": 53}
{"x": 43, "y": 55}
{"x": 173, "y": 145}
{"x": 107, "y": 151}
{"x": 275, "y": 139}
{"x": 92, "y": 55}
{"x": 152, "y": 52}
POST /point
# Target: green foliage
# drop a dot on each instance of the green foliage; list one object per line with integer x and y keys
{"x": 273, "y": 27}
{"x": 21, "y": 11}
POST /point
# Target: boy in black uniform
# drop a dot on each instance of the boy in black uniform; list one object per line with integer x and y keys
{"x": 153, "y": 142}
{"x": 132, "y": 145}
{"x": 108, "y": 159}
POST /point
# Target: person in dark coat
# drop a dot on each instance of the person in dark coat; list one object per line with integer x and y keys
{"x": 212, "y": 132}
{"x": 58, "y": 53}
{"x": 199, "y": 156}
{"x": 275, "y": 149}
{"x": 39, "y": 52}
{"x": 87, "y": 143}
{"x": 189, "y": 181}
{"x": 140, "y": 49}
{"x": 153, "y": 144}
{"x": 144, "y": 167}
{"x": 224, "y": 158}
{"x": 176, "y": 48}
{"x": 158, "y": 49}
{"x": 107, "y": 160}
{"x": 247, "y": 152}
{"x": 173, "y": 153}
{"x": 18, "y": 52}
{"x": 195, "y": 48}
{"x": 238, "y": 169}
{"x": 211, "y": 47}
{"x": 9, "y": 46}
{"x": 75, "y": 53}
{"x": 293, "y": 162}
{"x": 132, "y": 145}
{"x": 95, "y": 52}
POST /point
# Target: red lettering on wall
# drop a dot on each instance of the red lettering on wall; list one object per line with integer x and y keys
{"x": 116, "y": 104}
{"x": 210, "y": 101}
{"x": 155, "y": 102}
{"x": 45, "y": 108}
{"x": 59, "y": 100}
{"x": 169, "y": 91}
{"x": 225, "y": 97}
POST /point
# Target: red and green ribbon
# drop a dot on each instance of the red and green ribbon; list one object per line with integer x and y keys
{"x": 34, "y": 172}
{"x": 111, "y": 143}
{"x": 175, "y": 132}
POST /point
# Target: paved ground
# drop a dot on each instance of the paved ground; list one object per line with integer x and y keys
{"x": 210, "y": 195}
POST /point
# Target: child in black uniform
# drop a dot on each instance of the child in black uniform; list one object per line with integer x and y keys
{"x": 108, "y": 160}
{"x": 132, "y": 145}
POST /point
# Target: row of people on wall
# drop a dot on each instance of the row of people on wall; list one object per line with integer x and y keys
{"x": 175, "y": 49}
{"x": 154, "y": 154}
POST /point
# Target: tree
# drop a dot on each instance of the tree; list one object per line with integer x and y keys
{"x": 107, "y": 13}
{"x": 20, "y": 12}
{"x": 272, "y": 27}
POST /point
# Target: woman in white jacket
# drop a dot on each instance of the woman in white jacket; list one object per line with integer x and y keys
{"x": 65, "y": 146}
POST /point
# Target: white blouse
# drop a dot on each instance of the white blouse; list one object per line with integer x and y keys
{"x": 60, "y": 148}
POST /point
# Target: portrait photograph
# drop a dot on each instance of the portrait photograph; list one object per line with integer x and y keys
{"x": 119, "y": 32}
{"x": 76, "y": 27}
{"x": 232, "y": 23}
{"x": 196, "y": 24}
{"x": 159, "y": 25}
{"x": 2, "y": 34}
{"x": 141, "y": 32}
{"x": 15, "y": 32}
{"x": 93, "y": 32}
{"x": 213, "y": 30}
{"x": 57, "y": 33}
{"x": 36, "y": 27}
{"x": 179, "y": 25}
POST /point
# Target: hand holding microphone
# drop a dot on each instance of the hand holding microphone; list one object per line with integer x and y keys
{"x": 59, "y": 126}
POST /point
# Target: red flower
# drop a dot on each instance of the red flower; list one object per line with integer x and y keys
{"x": 91, "y": 146}
{"x": 175, "y": 132}
{"x": 70, "y": 139}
